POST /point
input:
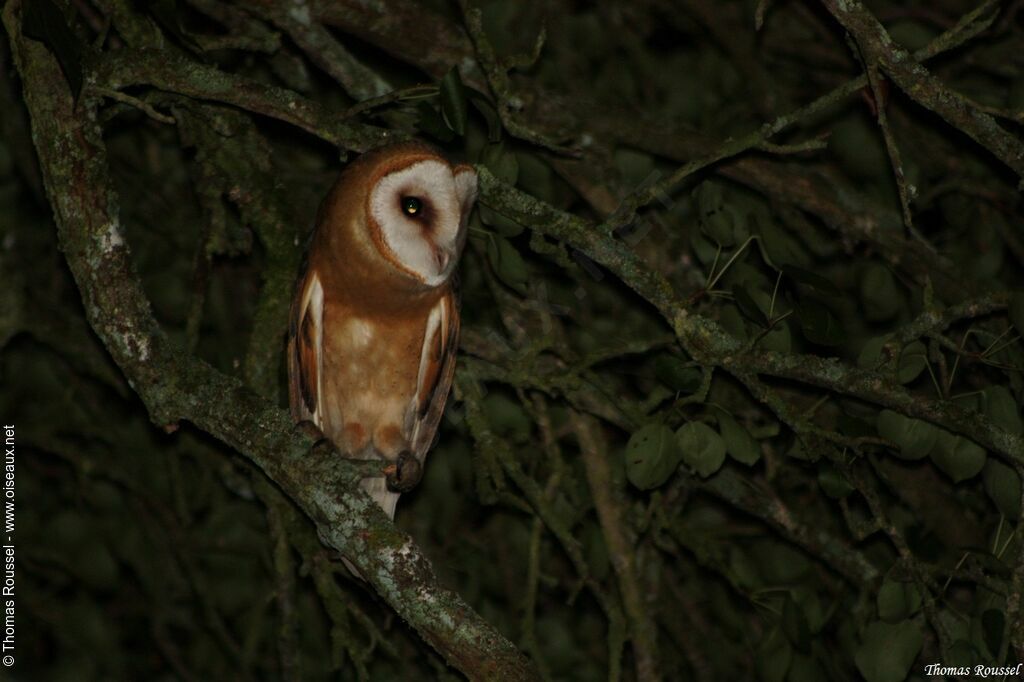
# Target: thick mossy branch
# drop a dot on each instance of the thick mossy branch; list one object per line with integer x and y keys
{"x": 176, "y": 387}
{"x": 166, "y": 70}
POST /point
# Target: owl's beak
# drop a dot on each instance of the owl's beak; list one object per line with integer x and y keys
{"x": 443, "y": 258}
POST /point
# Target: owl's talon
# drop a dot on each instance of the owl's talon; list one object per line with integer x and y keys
{"x": 404, "y": 473}
{"x": 310, "y": 430}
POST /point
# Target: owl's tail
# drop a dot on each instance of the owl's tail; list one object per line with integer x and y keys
{"x": 386, "y": 499}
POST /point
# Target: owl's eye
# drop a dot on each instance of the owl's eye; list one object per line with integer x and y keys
{"x": 412, "y": 206}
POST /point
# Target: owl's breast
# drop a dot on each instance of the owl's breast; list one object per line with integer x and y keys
{"x": 371, "y": 365}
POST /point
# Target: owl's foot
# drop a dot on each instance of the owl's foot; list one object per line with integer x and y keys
{"x": 310, "y": 430}
{"x": 404, "y": 473}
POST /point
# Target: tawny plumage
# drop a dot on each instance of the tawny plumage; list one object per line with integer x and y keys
{"x": 375, "y": 319}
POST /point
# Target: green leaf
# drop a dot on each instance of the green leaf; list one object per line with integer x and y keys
{"x": 721, "y": 222}
{"x": 794, "y": 624}
{"x": 652, "y": 456}
{"x": 800, "y": 451}
{"x": 812, "y": 280}
{"x": 870, "y": 356}
{"x": 634, "y": 166}
{"x": 1015, "y": 98}
{"x": 508, "y": 265}
{"x": 779, "y": 339}
{"x": 748, "y": 307}
{"x": 779, "y": 563}
{"x": 489, "y": 113}
{"x": 818, "y": 324}
{"x": 168, "y": 14}
{"x": 858, "y": 147}
{"x": 43, "y": 21}
{"x": 973, "y": 401}
{"x": 888, "y": 651}
{"x": 715, "y": 223}
{"x": 702, "y": 448}
{"x": 596, "y": 550}
{"x": 507, "y": 417}
{"x": 773, "y": 657}
{"x": 1002, "y": 484}
{"x": 957, "y": 457}
{"x": 709, "y": 197}
{"x": 704, "y": 249}
{"x": 914, "y": 437}
{"x": 501, "y": 161}
{"x": 536, "y": 177}
{"x": 879, "y": 292}
{"x": 778, "y": 247}
{"x": 913, "y": 35}
{"x": 805, "y": 669}
{"x": 739, "y": 444}
{"x": 962, "y": 654}
{"x": 832, "y": 481}
{"x": 719, "y": 228}
{"x": 677, "y": 374}
{"x": 431, "y": 123}
{"x": 913, "y": 360}
{"x": 742, "y": 569}
{"x": 993, "y": 623}
{"x": 501, "y": 224}
{"x": 810, "y": 602}
{"x": 1002, "y": 409}
{"x": 897, "y": 601}
{"x": 732, "y": 320}
{"x": 69, "y": 530}
{"x": 96, "y": 567}
{"x": 853, "y": 425}
{"x": 454, "y": 104}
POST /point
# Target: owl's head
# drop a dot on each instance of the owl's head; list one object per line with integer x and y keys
{"x": 416, "y": 205}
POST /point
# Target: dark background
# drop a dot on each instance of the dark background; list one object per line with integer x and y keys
{"x": 620, "y": 498}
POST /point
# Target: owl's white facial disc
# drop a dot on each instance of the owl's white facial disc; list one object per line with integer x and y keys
{"x": 419, "y": 210}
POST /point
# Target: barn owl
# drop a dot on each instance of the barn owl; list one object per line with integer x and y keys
{"x": 375, "y": 318}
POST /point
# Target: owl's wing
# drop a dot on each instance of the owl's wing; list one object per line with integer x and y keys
{"x": 437, "y": 368}
{"x": 305, "y": 341}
